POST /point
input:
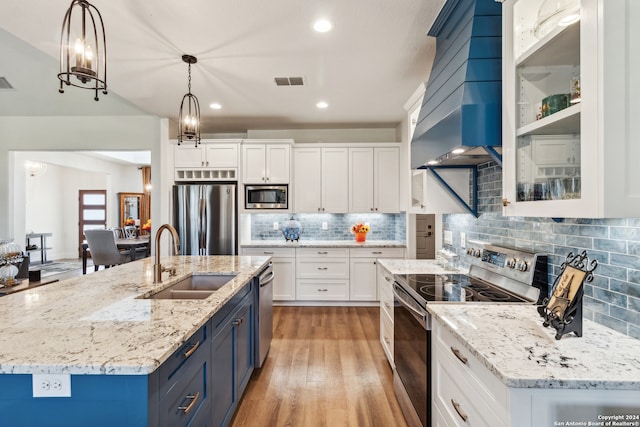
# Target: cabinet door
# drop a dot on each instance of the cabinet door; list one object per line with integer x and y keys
{"x": 244, "y": 329}
{"x": 284, "y": 283}
{"x": 307, "y": 181}
{"x": 253, "y": 163}
{"x": 361, "y": 180}
{"x": 386, "y": 179}
{"x": 222, "y": 376}
{"x": 221, "y": 155}
{"x": 335, "y": 180}
{"x": 189, "y": 156}
{"x": 362, "y": 274}
{"x": 277, "y": 163}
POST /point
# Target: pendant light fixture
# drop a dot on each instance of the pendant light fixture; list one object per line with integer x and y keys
{"x": 83, "y": 49}
{"x": 189, "y": 118}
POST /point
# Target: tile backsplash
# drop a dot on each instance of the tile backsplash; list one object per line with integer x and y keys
{"x": 383, "y": 226}
{"x": 613, "y": 297}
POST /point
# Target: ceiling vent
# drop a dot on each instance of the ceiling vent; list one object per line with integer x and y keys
{"x": 289, "y": 81}
{"x": 4, "y": 84}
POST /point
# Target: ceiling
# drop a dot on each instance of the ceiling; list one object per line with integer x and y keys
{"x": 366, "y": 68}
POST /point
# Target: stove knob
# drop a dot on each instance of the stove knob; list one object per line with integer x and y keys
{"x": 469, "y": 251}
{"x": 522, "y": 265}
{"x": 511, "y": 263}
{"x": 476, "y": 253}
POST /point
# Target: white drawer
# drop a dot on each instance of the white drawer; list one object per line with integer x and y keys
{"x": 328, "y": 268}
{"x": 273, "y": 252}
{"x": 386, "y": 301}
{"x": 322, "y": 290}
{"x": 386, "y": 335}
{"x": 322, "y": 252}
{"x": 458, "y": 403}
{"x": 484, "y": 385}
{"x": 376, "y": 252}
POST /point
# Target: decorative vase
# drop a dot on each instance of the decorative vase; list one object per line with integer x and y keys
{"x": 361, "y": 237}
{"x": 291, "y": 229}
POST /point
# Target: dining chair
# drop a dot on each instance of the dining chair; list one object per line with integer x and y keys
{"x": 103, "y": 249}
{"x": 130, "y": 232}
{"x": 118, "y": 232}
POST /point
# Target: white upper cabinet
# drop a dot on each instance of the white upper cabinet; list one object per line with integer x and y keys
{"x": 320, "y": 180}
{"x": 569, "y": 102}
{"x": 206, "y": 155}
{"x": 374, "y": 179}
{"x": 265, "y": 163}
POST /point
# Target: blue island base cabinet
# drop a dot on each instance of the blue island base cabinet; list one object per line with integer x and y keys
{"x": 200, "y": 385}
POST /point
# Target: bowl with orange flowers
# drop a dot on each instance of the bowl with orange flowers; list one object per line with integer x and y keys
{"x": 360, "y": 230}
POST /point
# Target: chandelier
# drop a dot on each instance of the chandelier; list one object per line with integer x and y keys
{"x": 83, "y": 49}
{"x": 189, "y": 117}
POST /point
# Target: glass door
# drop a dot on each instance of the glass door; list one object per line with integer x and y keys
{"x": 92, "y": 213}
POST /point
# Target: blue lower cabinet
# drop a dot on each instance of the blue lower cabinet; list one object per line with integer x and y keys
{"x": 232, "y": 355}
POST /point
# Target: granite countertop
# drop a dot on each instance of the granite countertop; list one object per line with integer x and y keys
{"x": 323, "y": 244}
{"x": 417, "y": 266}
{"x": 96, "y": 324}
{"x": 510, "y": 340}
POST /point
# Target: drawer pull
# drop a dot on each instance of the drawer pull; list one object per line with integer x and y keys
{"x": 377, "y": 253}
{"x": 456, "y": 406}
{"x": 268, "y": 253}
{"x": 387, "y": 278}
{"x": 193, "y": 348}
{"x": 322, "y": 252}
{"x": 386, "y": 304}
{"x": 459, "y": 355}
{"x": 238, "y": 322}
{"x": 323, "y": 268}
{"x": 323, "y": 290}
{"x": 194, "y": 398}
{"x": 387, "y": 340}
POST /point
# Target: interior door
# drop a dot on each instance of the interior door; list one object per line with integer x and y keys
{"x": 92, "y": 205}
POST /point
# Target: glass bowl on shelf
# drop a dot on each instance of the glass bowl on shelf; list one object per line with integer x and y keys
{"x": 553, "y": 13}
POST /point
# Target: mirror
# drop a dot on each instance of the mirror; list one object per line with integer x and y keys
{"x": 130, "y": 205}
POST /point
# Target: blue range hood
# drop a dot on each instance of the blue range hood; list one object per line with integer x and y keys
{"x": 462, "y": 104}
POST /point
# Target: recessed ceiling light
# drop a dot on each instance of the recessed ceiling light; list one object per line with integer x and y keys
{"x": 322, "y": 26}
{"x": 569, "y": 19}
{"x": 322, "y": 104}
{"x": 458, "y": 151}
{"x": 432, "y": 162}
{"x": 215, "y": 106}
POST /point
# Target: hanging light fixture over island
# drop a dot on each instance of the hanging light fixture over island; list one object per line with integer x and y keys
{"x": 83, "y": 49}
{"x": 189, "y": 117}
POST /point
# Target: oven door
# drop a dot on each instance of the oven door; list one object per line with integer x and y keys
{"x": 412, "y": 352}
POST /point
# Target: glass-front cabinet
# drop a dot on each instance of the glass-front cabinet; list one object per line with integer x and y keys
{"x": 568, "y": 96}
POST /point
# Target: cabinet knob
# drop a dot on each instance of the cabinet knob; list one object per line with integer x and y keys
{"x": 421, "y": 206}
{"x": 267, "y": 178}
{"x": 376, "y": 209}
{"x": 322, "y": 209}
{"x": 505, "y": 202}
{"x": 319, "y": 209}
{"x": 371, "y": 209}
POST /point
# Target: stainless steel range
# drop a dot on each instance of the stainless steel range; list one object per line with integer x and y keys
{"x": 496, "y": 275}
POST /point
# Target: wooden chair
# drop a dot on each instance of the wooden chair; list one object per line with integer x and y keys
{"x": 130, "y": 232}
{"x": 103, "y": 249}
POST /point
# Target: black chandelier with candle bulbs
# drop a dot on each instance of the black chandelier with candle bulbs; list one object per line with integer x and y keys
{"x": 189, "y": 118}
{"x": 83, "y": 49}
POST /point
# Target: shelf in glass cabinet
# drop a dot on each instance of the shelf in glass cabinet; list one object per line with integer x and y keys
{"x": 563, "y": 122}
{"x": 560, "y": 47}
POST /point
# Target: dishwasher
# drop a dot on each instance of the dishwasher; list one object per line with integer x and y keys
{"x": 264, "y": 313}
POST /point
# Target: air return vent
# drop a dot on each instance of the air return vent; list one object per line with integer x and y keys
{"x": 289, "y": 81}
{"x": 4, "y": 84}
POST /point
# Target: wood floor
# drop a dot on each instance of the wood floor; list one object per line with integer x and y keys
{"x": 326, "y": 367}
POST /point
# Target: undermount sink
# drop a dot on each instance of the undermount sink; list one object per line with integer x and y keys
{"x": 197, "y": 286}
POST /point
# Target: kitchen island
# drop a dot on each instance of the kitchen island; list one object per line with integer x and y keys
{"x": 116, "y": 345}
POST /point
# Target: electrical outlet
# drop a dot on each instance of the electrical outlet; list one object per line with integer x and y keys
{"x": 275, "y": 225}
{"x": 325, "y": 226}
{"x": 448, "y": 237}
{"x": 51, "y": 385}
{"x": 463, "y": 240}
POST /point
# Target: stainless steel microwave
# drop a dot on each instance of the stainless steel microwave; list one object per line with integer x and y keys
{"x": 266, "y": 197}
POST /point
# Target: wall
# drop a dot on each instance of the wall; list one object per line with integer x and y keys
{"x": 383, "y": 226}
{"x": 613, "y": 298}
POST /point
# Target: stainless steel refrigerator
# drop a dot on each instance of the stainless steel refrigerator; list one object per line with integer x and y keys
{"x": 205, "y": 216}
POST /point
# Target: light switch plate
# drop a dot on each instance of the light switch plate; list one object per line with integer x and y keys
{"x": 275, "y": 225}
{"x": 325, "y": 225}
{"x": 463, "y": 240}
{"x": 448, "y": 237}
{"x": 51, "y": 385}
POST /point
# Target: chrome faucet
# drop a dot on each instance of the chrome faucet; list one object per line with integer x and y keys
{"x": 157, "y": 267}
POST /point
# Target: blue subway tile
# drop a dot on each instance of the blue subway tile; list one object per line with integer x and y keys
{"x": 612, "y": 298}
{"x": 610, "y": 322}
{"x": 630, "y": 261}
{"x": 624, "y": 314}
{"x": 625, "y": 233}
{"x": 596, "y": 305}
{"x": 623, "y": 287}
